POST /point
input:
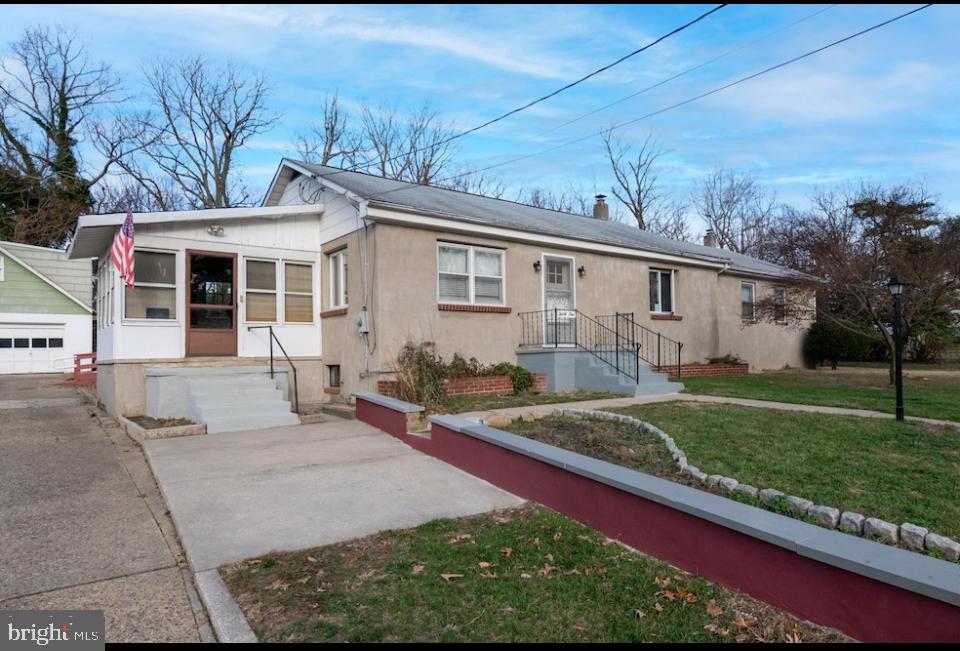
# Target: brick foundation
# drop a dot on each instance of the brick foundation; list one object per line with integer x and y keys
{"x": 487, "y": 385}
{"x": 709, "y": 370}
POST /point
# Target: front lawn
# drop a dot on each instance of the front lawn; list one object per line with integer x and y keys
{"x": 900, "y": 472}
{"x": 933, "y": 396}
{"x": 463, "y": 404}
{"x": 523, "y": 575}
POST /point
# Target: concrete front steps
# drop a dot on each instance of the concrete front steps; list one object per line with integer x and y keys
{"x": 570, "y": 369}
{"x": 225, "y": 399}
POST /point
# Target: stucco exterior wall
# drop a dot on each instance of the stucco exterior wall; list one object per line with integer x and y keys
{"x": 707, "y": 302}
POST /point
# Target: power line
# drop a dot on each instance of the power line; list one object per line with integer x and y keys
{"x": 691, "y": 99}
{"x": 689, "y": 70}
{"x": 568, "y": 86}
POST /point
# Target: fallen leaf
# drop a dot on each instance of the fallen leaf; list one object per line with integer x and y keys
{"x": 525, "y": 576}
{"x": 639, "y": 613}
{"x": 417, "y": 569}
{"x": 744, "y": 622}
{"x": 460, "y": 537}
{"x": 663, "y": 582}
{"x": 657, "y": 607}
{"x": 580, "y": 628}
{"x": 549, "y": 558}
{"x": 450, "y": 577}
{"x": 535, "y": 541}
{"x": 484, "y": 564}
{"x": 743, "y": 637}
{"x": 794, "y": 638}
{"x": 713, "y": 609}
{"x": 506, "y": 551}
{"x": 573, "y": 571}
{"x": 311, "y": 559}
{"x": 692, "y": 598}
{"x": 557, "y": 536}
{"x": 545, "y": 570}
{"x": 711, "y": 627}
{"x": 303, "y": 579}
{"x": 724, "y": 632}
{"x": 487, "y": 575}
{"x": 670, "y": 596}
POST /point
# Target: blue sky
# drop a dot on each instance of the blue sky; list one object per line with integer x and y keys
{"x": 883, "y": 108}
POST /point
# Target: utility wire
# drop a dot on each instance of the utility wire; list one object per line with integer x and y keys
{"x": 568, "y": 86}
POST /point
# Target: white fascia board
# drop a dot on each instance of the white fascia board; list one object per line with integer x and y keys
{"x": 39, "y": 275}
{"x": 208, "y": 214}
{"x": 420, "y": 220}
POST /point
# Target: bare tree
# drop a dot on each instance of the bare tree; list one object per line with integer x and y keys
{"x": 125, "y": 193}
{"x": 635, "y": 175}
{"x": 738, "y": 210}
{"x": 670, "y": 221}
{"x": 204, "y": 115}
{"x": 330, "y": 142}
{"x": 475, "y": 183}
{"x": 52, "y": 98}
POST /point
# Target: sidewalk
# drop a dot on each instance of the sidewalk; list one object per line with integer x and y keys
{"x": 538, "y": 411}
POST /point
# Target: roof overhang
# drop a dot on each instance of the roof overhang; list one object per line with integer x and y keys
{"x": 94, "y": 233}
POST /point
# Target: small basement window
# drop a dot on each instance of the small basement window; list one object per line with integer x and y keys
{"x": 334, "y": 380}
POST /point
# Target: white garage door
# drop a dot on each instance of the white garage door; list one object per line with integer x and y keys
{"x": 26, "y": 348}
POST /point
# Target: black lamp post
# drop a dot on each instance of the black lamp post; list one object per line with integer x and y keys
{"x": 896, "y": 289}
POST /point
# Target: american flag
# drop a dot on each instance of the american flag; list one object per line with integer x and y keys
{"x": 122, "y": 251}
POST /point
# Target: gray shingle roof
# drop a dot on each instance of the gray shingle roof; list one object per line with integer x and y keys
{"x": 466, "y": 207}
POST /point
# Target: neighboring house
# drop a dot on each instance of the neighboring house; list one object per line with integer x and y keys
{"x": 45, "y": 309}
{"x": 347, "y": 267}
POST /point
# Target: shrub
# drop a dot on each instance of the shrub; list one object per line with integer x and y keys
{"x": 828, "y": 341}
{"x": 420, "y": 374}
{"x": 460, "y": 367}
{"x": 522, "y": 378}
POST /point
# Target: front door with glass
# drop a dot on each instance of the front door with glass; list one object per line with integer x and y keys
{"x": 560, "y": 320}
{"x": 211, "y": 304}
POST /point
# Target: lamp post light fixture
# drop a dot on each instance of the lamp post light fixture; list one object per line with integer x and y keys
{"x": 895, "y": 285}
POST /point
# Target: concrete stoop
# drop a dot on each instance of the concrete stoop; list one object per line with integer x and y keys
{"x": 241, "y": 398}
{"x": 570, "y": 369}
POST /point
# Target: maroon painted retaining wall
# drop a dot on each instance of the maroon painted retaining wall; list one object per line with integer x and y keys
{"x": 488, "y": 385}
{"x": 864, "y": 608}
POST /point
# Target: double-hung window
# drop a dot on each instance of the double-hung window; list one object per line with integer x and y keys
{"x": 470, "y": 274}
{"x": 780, "y": 304}
{"x": 338, "y": 279}
{"x": 261, "y": 294}
{"x": 297, "y": 292}
{"x": 154, "y": 294}
{"x": 747, "y": 294}
{"x": 661, "y": 291}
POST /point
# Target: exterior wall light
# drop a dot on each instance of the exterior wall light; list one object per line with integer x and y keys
{"x": 215, "y": 229}
{"x": 536, "y": 266}
{"x": 582, "y": 271}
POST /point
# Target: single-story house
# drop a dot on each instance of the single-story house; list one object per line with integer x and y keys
{"x": 346, "y": 267}
{"x": 45, "y": 309}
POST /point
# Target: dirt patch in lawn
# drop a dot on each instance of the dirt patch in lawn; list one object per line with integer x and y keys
{"x": 149, "y": 422}
{"x": 521, "y": 575}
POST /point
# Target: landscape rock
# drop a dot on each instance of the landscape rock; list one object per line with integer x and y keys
{"x": 798, "y": 505}
{"x": 497, "y": 421}
{"x": 748, "y": 490}
{"x": 825, "y": 516}
{"x": 728, "y": 483}
{"x": 912, "y": 536}
{"x": 852, "y": 522}
{"x": 950, "y": 549}
{"x": 714, "y": 480}
{"x": 768, "y": 495}
{"x": 529, "y": 417}
{"x": 881, "y": 530}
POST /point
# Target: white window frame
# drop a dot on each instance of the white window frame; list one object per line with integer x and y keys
{"x": 312, "y": 293}
{"x": 2, "y": 259}
{"x": 753, "y": 302}
{"x": 471, "y": 274}
{"x": 673, "y": 289}
{"x": 275, "y": 291}
{"x": 338, "y": 294}
{"x": 780, "y": 306}
{"x": 123, "y": 294}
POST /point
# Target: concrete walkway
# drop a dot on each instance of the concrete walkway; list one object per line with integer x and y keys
{"x": 237, "y": 495}
{"x": 544, "y": 410}
{"x": 83, "y": 524}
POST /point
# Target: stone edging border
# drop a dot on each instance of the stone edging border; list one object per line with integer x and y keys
{"x": 225, "y": 615}
{"x": 908, "y": 536}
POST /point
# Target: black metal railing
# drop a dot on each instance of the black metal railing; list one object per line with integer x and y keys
{"x": 273, "y": 338}
{"x": 560, "y": 328}
{"x": 662, "y": 353}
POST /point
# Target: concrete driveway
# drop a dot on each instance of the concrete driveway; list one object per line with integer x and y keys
{"x": 241, "y": 494}
{"x": 82, "y": 524}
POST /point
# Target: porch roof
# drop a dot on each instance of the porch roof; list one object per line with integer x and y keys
{"x": 94, "y": 233}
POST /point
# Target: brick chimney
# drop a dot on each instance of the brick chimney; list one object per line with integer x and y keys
{"x": 710, "y": 238}
{"x": 601, "y": 210}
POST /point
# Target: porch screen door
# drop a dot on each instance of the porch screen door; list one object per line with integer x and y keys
{"x": 560, "y": 318}
{"x": 211, "y": 304}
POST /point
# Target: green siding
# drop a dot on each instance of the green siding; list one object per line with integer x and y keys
{"x": 23, "y": 291}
